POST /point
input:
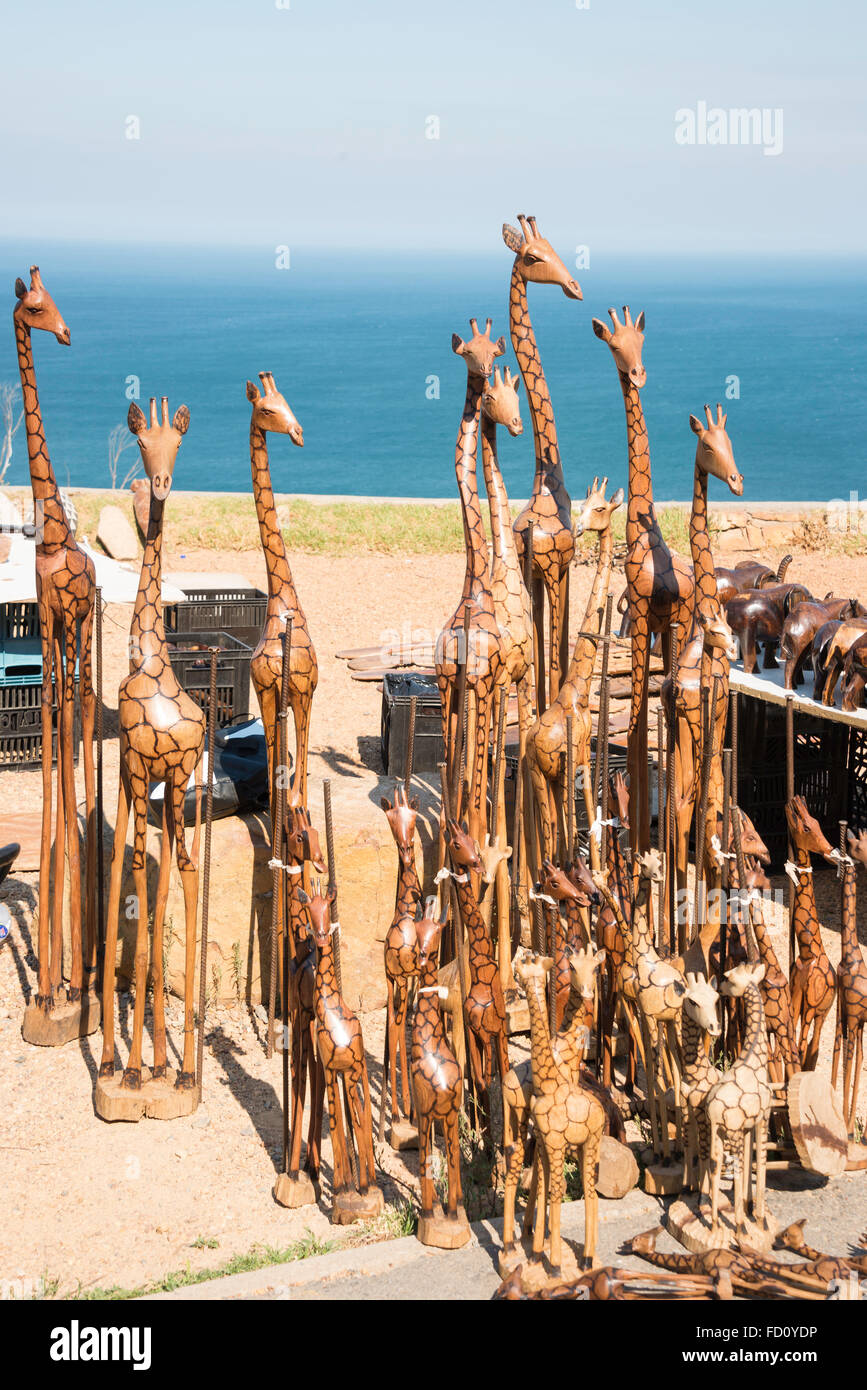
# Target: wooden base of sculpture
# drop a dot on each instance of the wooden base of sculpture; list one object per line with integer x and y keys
{"x": 663, "y": 1179}
{"x": 694, "y": 1232}
{"x": 537, "y": 1274}
{"x": 403, "y": 1135}
{"x": 158, "y": 1098}
{"x": 618, "y": 1170}
{"x": 65, "y": 1022}
{"x": 817, "y": 1123}
{"x": 357, "y": 1206}
{"x": 856, "y": 1159}
{"x": 445, "y": 1232}
{"x": 294, "y": 1192}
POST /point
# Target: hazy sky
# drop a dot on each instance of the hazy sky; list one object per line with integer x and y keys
{"x": 307, "y": 125}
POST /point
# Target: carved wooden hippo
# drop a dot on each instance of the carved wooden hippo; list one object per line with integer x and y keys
{"x": 801, "y": 626}
{"x": 746, "y": 575}
{"x": 757, "y": 619}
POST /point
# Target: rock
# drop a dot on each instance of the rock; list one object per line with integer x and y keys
{"x": 618, "y": 1170}
{"x": 115, "y": 534}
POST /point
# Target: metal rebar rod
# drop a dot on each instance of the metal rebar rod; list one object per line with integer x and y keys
{"x": 740, "y": 859}
{"x": 660, "y": 819}
{"x": 100, "y": 848}
{"x": 701, "y": 824}
{"x": 790, "y": 792}
{"x": 332, "y": 881}
{"x": 670, "y": 884}
{"x": 726, "y": 835}
{"x": 552, "y": 973}
{"x": 277, "y": 798}
{"x": 410, "y": 744}
{"x": 454, "y": 755}
{"x": 570, "y": 792}
{"x": 206, "y": 870}
{"x": 499, "y": 747}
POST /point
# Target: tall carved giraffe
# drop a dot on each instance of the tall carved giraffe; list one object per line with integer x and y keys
{"x": 65, "y": 591}
{"x": 737, "y": 1105}
{"x": 549, "y": 507}
{"x": 812, "y": 980}
{"x": 438, "y": 1091}
{"x": 514, "y": 618}
{"x": 620, "y": 982}
{"x": 484, "y": 659}
{"x": 699, "y": 1021}
{"x": 851, "y": 989}
{"x": 271, "y": 414}
{"x": 401, "y": 956}
{"x": 659, "y": 585}
{"x": 709, "y": 648}
{"x": 783, "y": 1058}
{"x": 341, "y": 1051}
{"x": 546, "y": 741}
{"x": 162, "y": 738}
{"x": 567, "y": 1118}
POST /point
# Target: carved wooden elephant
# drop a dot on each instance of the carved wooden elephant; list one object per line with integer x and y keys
{"x": 746, "y": 575}
{"x": 757, "y": 619}
{"x": 801, "y": 626}
{"x": 855, "y": 674}
{"x": 845, "y": 635}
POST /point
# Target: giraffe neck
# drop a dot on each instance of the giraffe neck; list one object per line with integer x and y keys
{"x": 543, "y": 1063}
{"x": 327, "y": 993}
{"x": 476, "y": 576}
{"x": 695, "y": 1059}
{"x": 281, "y": 590}
{"x": 754, "y": 1052}
{"x": 476, "y": 935}
{"x": 408, "y": 891}
{"x": 640, "y": 513}
{"x": 767, "y": 954}
{"x": 147, "y": 633}
{"x": 505, "y": 552}
{"x": 572, "y": 1039}
{"x": 580, "y": 672}
{"x": 549, "y": 471}
{"x": 640, "y": 934}
{"x": 427, "y": 1025}
{"x": 52, "y": 528}
{"x": 850, "y": 949}
{"x": 806, "y": 919}
{"x": 707, "y": 599}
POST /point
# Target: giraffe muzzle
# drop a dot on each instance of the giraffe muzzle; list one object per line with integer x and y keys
{"x": 572, "y": 290}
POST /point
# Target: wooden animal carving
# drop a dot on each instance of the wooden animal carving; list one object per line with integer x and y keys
{"x": 549, "y": 507}
{"x": 842, "y": 640}
{"x": 65, "y": 589}
{"x": 660, "y": 585}
{"x": 813, "y": 983}
{"x": 851, "y": 989}
{"x": 855, "y": 674}
{"x": 801, "y": 626}
{"x": 756, "y": 619}
{"x": 401, "y": 955}
{"x": 700, "y": 1021}
{"x": 162, "y": 737}
{"x": 746, "y": 575}
{"x": 783, "y": 1058}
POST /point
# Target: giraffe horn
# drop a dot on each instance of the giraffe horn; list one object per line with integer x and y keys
{"x": 474, "y": 326}
{"x": 720, "y": 417}
{"x": 35, "y": 278}
{"x": 488, "y": 323}
{"x": 532, "y": 222}
{"x": 528, "y": 235}
{"x": 153, "y": 411}
{"x": 627, "y": 317}
{"x": 165, "y": 405}
{"x": 614, "y": 319}
{"x": 707, "y": 412}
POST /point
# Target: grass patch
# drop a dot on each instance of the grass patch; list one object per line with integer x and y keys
{"x": 260, "y": 1257}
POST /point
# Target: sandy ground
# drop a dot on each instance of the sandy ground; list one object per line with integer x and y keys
{"x": 92, "y": 1205}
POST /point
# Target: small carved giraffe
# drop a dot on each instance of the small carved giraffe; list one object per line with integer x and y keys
{"x": 737, "y": 1106}
{"x": 700, "y": 1020}
{"x": 162, "y": 737}
{"x": 813, "y": 982}
{"x": 401, "y": 954}
{"x": 484, "y": 659}
{"x": 437, "y": 1090}
{"x": 566, "y": 1118}
{"x": 341, "y": 1051}
{"x": 546, "y": 741}
{"x": 65, "y": 590}
{"x": 620, "y": 982}
{"x": 783, "y": 1058}
{"x": 549, "y": 507}
{"x": 660, "y": 586}
{"x": 302, "y": 848}
{"x": 271, "y": 414}
{"x": 851, "y": 989}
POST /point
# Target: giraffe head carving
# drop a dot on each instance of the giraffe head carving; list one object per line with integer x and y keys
{"x": 319, "y": 913}
{"x": 805, "y": 830}
{"x": 619, "y": 791}
{"x": 529, "y": 967}
{"x": 500, "y": 401}
{"x": 858, "y": 846}
{"x": 401, "y": 817}
{"x": 717, "y": 636}
{"x": 583, "y": 966}
{"x": 650, "y": 866}
{"x": 756, "y": 877}
{"x": 36, "y": 309}
{"x": 479, "y": 351}
{"x": 427, "y": 930}
{"x": 597, "y": 509}
{"x": 739, "y": 979}
{"x": 713, "y": 453}
{"x": 536, "y": 258}
{"x": 271, "y": 411}
{"x": 700, "y": 1002}
{"x": 751, "y": 841}
{"x": 625, "y": 341}
{"x": 561, "y": 887}
{"x": 159, "y": 442}
{"x": 464, "y": 850}
{"x": 303, "y": 839}
{"x": 582, "y": 878}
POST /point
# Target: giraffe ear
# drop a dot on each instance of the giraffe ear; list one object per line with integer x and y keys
{"x": 617, "y": 499}
{"x": 512, "y": 237}
{"x": 639, "y": 322}
{"x": 758, "y": 973}
{"x": 181, "y": 421}
{"x": 253, "y": 392}
{"x": 20, "y": 288}
{"x": 458, "y": 344}
{"x": 302, "y": 896}
{"x": 516, "y": 384}
{"x": 135, "y": 419}
{"x": 413, "y": 805}
{"x": 696, "y": 426}
{"x": 602, "y": 330}
{"x": 385, "y": 804}
{"x": 500, "y": 345}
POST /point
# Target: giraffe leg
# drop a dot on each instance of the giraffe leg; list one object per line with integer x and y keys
{"x": 317, "y": 1103}
{"x": 639, "y": 804}
{"x": 389, "y": 1077}
{"x": 138, "y": 778}
{"x": 482, "y": 734}
{"x": 761, "y": 1143}
{"x": 44, "y": 992}
{"x": 531, "y": 1210}
{"x": 564, "y": 621}
{"x": 503, "y": 885}
{"x": 352, "y": 1082}
{"x": 589, "y": 1169}
{"x": 70, "y": 808}
{"x": 453, "y": 1160}
{"x": 109, "y": 968}
{"x": 405, "y": 1107}
{"x": 542, "y": 701}
{"x": 301, "y": 706}
{"x": 56, "y": 948}
{"x": 186, "y": 1079}
{"x": 556, "y": 1192}
{"x": 555, "y": 611}
{"x": 514, "y": 1156}
{"x": 88, "y": 720}
{"x": 849, "y": 1058}
{"x": 716, "y": 1157}
{"x": 300, "y": 1064}
{"x": 425, "y": 1160}
{"x": 339, "y": 1154}
{"x": 587, "y": 789}
{"x": 159, "y": 1068}
{"x": 856, "y": 1079}
{"x": 541, "y": 1170}
{"x": 838, "y": 1040}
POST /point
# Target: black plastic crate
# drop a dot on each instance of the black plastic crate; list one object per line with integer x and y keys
{"x": 18, "y": 620}
{"x": 21, "y": 726}
{"x": 398, "y": 688}
{"x": 239, "y": 612}
{"x": 191, "y": 662}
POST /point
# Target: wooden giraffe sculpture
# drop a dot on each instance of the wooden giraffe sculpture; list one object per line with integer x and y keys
{"x": 271, "y": 414}
{"x": 401, "y": 964}
{"x": 567, "y": 1118}
{"x": 65, "y": 590}
{"x": 341, "y": 1051}
{"x": 659, "y": 585}
{"x": 549, "y": 507}
{"x": 812, "y": 980}
{"x": 162, "y": 738}
{"x": 514, "y": 619}
{"x": 438, "y": 1091}
{"x": 737, "y": 1107}
{"x": 484, "y": 659}
{"x": 620, "y": 982}
{"x": 570, "y": 1049}
{"x": 699, "y": 1021}
{"x": 783, "y": 1058}
{"x": 710, "y": 647}
{"x": 546, "y": 742}
{"x": 851, "y": 989}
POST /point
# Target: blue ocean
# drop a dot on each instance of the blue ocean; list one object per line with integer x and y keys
{"x": 360, "y": 345}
